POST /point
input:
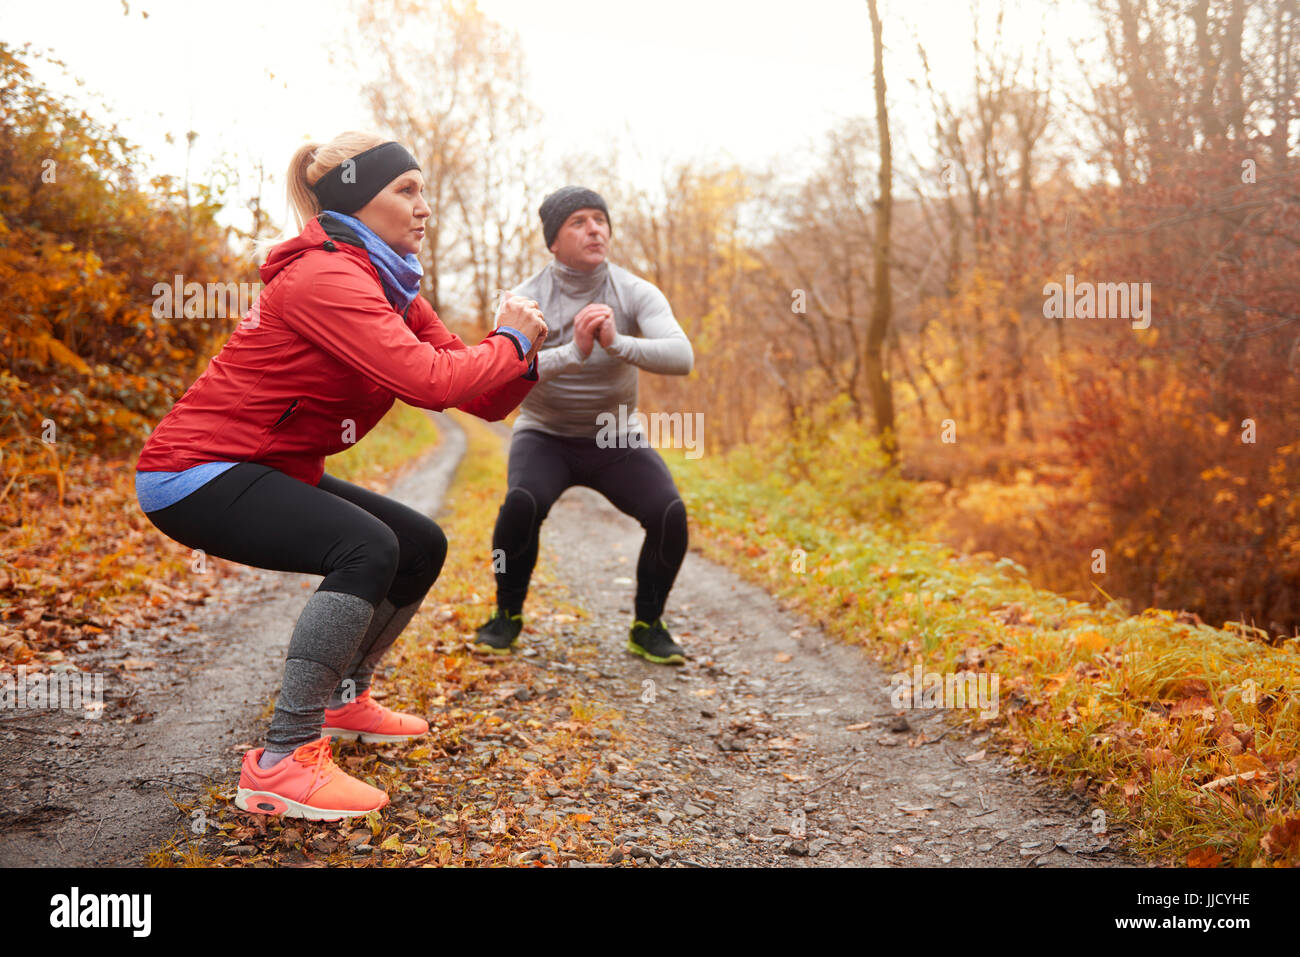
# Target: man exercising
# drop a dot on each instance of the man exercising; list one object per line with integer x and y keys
{"x": 603, "y": 325}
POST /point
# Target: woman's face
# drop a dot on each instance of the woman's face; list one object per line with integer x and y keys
{"x": 398, "y": 211}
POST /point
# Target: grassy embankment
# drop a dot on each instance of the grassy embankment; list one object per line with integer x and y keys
{"x": 1187, "y": 736}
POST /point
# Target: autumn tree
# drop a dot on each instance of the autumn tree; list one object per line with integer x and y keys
{"x": 83, "y": 241}
{"x": 882, "y": 310}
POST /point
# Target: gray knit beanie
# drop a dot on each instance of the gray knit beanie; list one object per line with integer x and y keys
{"x": 563, "y": 203}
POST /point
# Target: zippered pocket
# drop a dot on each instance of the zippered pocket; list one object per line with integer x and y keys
{"x": 285, "y": 414}
{"x": 268, "y": 437}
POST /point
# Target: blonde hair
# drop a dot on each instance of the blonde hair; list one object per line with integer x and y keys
{"x": 310, "y": 162}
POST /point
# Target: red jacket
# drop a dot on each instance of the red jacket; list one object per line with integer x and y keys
{"x": 319, "y": 360}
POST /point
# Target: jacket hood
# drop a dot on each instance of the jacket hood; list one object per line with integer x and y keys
{"x": 331, "y": 235}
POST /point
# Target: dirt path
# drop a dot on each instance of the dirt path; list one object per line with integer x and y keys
{"x": 180, "y": 708}
{"x": 774, "y": 727}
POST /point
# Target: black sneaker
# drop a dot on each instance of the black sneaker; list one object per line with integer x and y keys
{"x": 499, "y": 633}
{"x": 653, "y": 643}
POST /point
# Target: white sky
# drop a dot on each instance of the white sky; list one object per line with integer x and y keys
{"x": 756, "y": 81}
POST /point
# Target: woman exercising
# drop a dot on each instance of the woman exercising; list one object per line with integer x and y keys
{"x": 237, "y": 469}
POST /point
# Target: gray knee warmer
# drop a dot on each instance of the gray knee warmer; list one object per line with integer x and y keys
{"x": 384, "y": 628}
{"x": 327, "y": 634}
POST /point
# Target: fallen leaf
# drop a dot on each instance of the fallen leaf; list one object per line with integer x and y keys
{"x": 1229, "y": 742}
{"x": 1223, "y": 723}
{"x": 1190, "y": 688}
{"x": 1249, "y": 762}
{"x": 1204, "y": 857}
{"x": 1283, "y": 838}
{"x": 1189, "y": 707}
{"x": 978, "y": 755}
{"x": 1090, "y": 641}
{"x": 1158, "y": 757}
{"x": 1053, "y": 683}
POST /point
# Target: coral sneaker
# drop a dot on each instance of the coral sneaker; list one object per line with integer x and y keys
{"x": 306, "y": 784}
{"x": 370, "y": 721}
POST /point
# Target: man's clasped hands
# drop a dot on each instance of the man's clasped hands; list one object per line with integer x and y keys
{"x": 593, "y": 323}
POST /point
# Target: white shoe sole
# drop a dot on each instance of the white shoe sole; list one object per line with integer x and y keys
{"x": 274, "y": 804}
{"x": 367, "y": 737}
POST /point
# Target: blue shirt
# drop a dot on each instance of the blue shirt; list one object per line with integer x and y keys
{"x": 155, "y": 490}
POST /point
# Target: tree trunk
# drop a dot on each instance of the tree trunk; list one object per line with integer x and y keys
{"x": 882, "y": 399}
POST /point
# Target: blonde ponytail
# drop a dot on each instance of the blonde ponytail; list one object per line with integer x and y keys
{"x": 310, "y": 162}
{"x": 314, "y": 160}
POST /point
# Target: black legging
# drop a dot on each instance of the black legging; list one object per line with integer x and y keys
{"x": 363, "y": 543}
{"x": 636, "y": 481}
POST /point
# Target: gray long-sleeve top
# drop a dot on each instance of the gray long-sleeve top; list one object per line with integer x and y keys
{"x": 572, "y": 392}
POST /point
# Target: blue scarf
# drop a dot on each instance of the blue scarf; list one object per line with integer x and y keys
{"x": 399, "y": 274}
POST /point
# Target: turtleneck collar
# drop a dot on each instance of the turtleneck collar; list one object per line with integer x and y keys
{"x": 575, "y": 282}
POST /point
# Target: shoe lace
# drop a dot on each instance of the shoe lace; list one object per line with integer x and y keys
{"x": 370, "y": 704}
{"x": 652, "y": 630}
{"x": 316, "y": 757}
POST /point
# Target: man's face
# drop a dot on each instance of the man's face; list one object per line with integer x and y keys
{"x": 583, "y": 241}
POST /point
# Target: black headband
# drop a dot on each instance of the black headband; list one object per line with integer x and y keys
{"x": 356, "y": 181}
